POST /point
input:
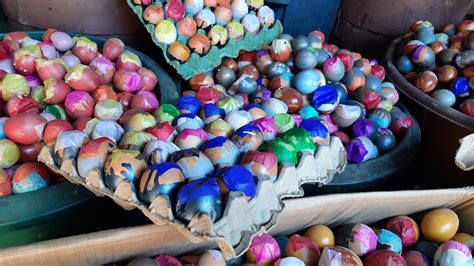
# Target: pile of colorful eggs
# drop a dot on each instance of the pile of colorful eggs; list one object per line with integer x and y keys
{"x": 441, "y": 64}
{"x": 399, "y": 243}
{"x": 57, "y": 84}
{"x": 298, "y": 90}
{"x": 194, "y": 26}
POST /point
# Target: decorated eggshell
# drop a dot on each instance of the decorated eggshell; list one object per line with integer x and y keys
{"x": 135, "y": 140}
{"x": 192, "y": 7}
{"x": 303, "y": 248}
{"x": 210, "y": 112}
{"x": 415, "y": 258}
{"x": 283, "y": 150}
{"x": 123, "y": 166}
{"x": 361, "y": 149}
{"x": 245, "y": 84}
{"x": 400, "y": 121}
{"x": 93, "y": 155}
{"x": 165, "y": 32}
{"x": 384, "y": 257}
{"x": 221, "y": 151}
{"x": 341, "y": 255}
{"x": 29, "y": 177}
{"x": 191, "y": 138}
{"x": 325, "y": 99}
{"x": 29, "y": 153}
{"x": 299, "y": 43}
{"x": 140, "y": 121}
{"x": 179, "y": 51}
{"x": 160, "y": 179}
{"x": 266, "y": 16}
{"x": 205, "y": 19}
{"x": 68, "y": 145}
{"x": 306, "y": 59}
{"x": 79, "y": 104}
{"x": 219, "y": 128}
{"x": 201, "y": 80}
{"x": 365, "y": 128}
{"x": 108, "y": 110}
{"x": 359, "y": 238}
{"x": 345, "y": 115}
{"x": 385, "y": 140}
{"x": 188, "y": 105}
{"x": 236, "y": 178}
{"x": 281, "y": 50}
{"x": 333, "y": 69}
{"x": 423, "y": 56}
{"x": 239, "y": 8}
{"x": 144, "y": 100}
{"x": 274, "y": 106}
{"x": 439, "y": 225}
{"x": 406, "y": 228}
{"x": 251, "y": 24}
{"x": 256, "y": 111}
{"x": 317, "y": 129}
{"x": 211, "y": 257}
{"x": 248, "y": 137}
{"x": 223, "y": 14}
{"x": 261, "y": 163}
{"x": 158, "y": 151}
{"x": 307, "y": 112}
{"x": 460, "y": 87}
{"x": 388, "y": 240}
{"x": 237, "y": 119}
{"x": 109, "y": 129}
{"x": 14, "y": 85}
{"x": 268, "y": 127}
{"x": 284, "y": 122}
{"x": 166, "y": 113}
{"x": 300, "y": 139}
{"x": 381, "y": 117}
{"x": 200, "y": 196}
{"x": 321, "y": 235}
{"x": 153, "y": 14}
{"x": 9, "y": 152}
{"x": 25, "y": 128}
{"x": 354, "y": 79}
{"x": 289, "y": 261}
{"x": 235, "y": 30}
{"x": 263, "y": 250}
{"x": 308, "y": 81}
{"x": 5, "y": 184}
{"x": 453, "y": 253}
{"x": 193, "y": 163}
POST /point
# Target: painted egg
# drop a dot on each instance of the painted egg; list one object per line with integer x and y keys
{"x": 317, "y": 129}
{"x": 29, "y": 177}
{"x": 306, "y": 59}
{"x": 368, "y": 97}
{"x": 29, "y": 153}
{"x": 93, "y": 155}
{"x": 385, "y": 140}
{"x": 359, "y": 238}
{"x": 153, "y": 14}
{"x": 325, "y": 99}
{"x": 263, "y": 60}
{"x": 201, "y": 196}
{"x": 248, "y": 137}
{"x": 223, "y": 14}
{"x": 303, "y": 248}
{"x": 308, "y": 81}
{"x": 384, "y": 257}
{"x": 413, "y": 257}
{"x": 135, "y": 140}
{"x": 453, "y": 253}
{"x": 276, "y": 69}
{"x": 467, "y": 107}
{"x": 10, "y": 153}
{"x": 291, "y": 97}
{"x": 54, "y": 111}
{"x": 123, "y": 166}
{"x": 210, "y": 113}
{"x": 372, "y": 82}
{"x": 404, "y": 64}
{"x": 164, "y": 131}
{"x": 219, "y": 128}
{"x": 381, "y": 117}
{"x": 5, "y": 184}
{"x": 230, "y": 63}
{"x": 389, "y": 241}
{"x": 67, "y": 145}
{"x": 179, "y": 51}
{"x": 266, "y": 16}
{"x": 236, "y": 178}
{"x": 14, "y": 85}
{"x": 235, "y": 30}
{"x": 79, "y": 104}
{"x": 438, "y": 47}
{"x": 221, "y": 151}
{"x": 201, "y": 80}
{"x": 354, "y": 79}
{"x": 284, "y": 122}
{"x": 400, "y": 120}
{"x": 160, "y": 179}
{"x": 423, "y": 56}
{"x": 439, "y": 225}
{"x": 256, "y": 111}
{"x": 18, "y": 105}
{"x": 361, "y": 149}
{"x": 140, "y": 121}
{"x": 268, "y": 127}
{"x": 188, "y": 105}
{"x": 163, "y": 260}
{"x": 365, "y": 128}
{"x": 300, "y": 139}
{"x": 108, "y": 110}
{"x": 199, "y": 44}
{"x": 165, "y": 32}
{"x": 191, "y": 138}
{"x": 321, "y": 235}
{"x": 109, "y": 129}
{"x": 289, "y": 261}
{"x": 158, "y": 151}
{"x": 192, "y": 7}
{"x": 175, "y": 10}
{"x": 307, "y": 112}
{"x": 345, "y": 115}
{"x": 246, "y": 84}
{"x": 239, "y": 8}
{"x": 82, "y": 78}
{"x": 460, "y": 88}
{"x": 251, "y": 24}
{"x": 124, "y": 98}
{"x": 339, "y": 256}
{"x": 284, "y": 80}
{"x": 447, "y": 56}
{"x": 144, "y": 100}
{"x": 166, "y": 113}
{"x": 211, "y": 257}
{"x": 205, "y": 19}
{"x": 237, "y": 119}
{"x": 281, "y": 50}
{"x": 363, "y": 65}
{"x": 187, "y": 27}
{"x": 193, "y": 163}
{"x": 261, "y": 163}
{"x": 263, "y": 250}
{"x": 406, "y": 228}
{"x": 274, "y": 106}
{"x": 103, "y": 93}
{"x": 444, "y": 97}
{"x": 333, "y": 69}
{"x": 299, "y": 43}
{"x": 389, "y": 92}
{"x": 25, "y": 128}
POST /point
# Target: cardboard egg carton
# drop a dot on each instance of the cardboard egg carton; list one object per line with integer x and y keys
{"x": 464, "y": 158}
{"x": 241, "y": 219}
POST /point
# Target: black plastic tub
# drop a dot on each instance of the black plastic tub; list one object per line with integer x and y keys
{"x": 441, "y": 128}
{"x": 388, "y": 171}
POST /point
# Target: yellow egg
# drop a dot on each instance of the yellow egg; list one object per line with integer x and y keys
{"x": 321, "y": 235}
{"x": 439, "y": 225}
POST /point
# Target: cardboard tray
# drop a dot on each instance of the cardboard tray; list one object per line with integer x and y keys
{"x": 298, "y": 214}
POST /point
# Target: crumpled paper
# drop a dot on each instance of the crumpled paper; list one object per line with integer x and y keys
{"x": 464, "y": 158}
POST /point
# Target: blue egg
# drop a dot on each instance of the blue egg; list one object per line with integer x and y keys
{"x": 188, "y": 121}
{"x": 460, "y": 87}
{"x": 385, "y": 140}
{"x": 426, "y": 36}
{"x": 388, "y": 240}
{"x": 276, "y": 69}
{"x": 373, "y": 82}
{"x": 274, "y": 106}
{"x": 307, "y": 112}
{"x": 210, "y": 112}
{"x": 381, "y": 117}
{"x": 323, "y": 55}
{"x": 193, "y": 163}
{"x": 201, "y": 196}
{"x": 341, "y": 91}
{"x": 221, "y": 151}
{"x": 442, "y": 37}
{"x": 299, "y": 43}
{"x": 315, "y": 41}
{"x": 404, "y": 64}
{"x": 325, "y": 99}
{"x": 317, "y": 129}
{"x": 188, "y": 105}
{"x": 307, "y": 81}
{"x": 246, "y": 84}
{"x": 237, "y": 178}
{"x": 160, "y": 179}
{"x": 306, "y": 58}
{"x": 445, "y": 97}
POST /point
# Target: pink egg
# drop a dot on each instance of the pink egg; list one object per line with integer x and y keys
{"x": 144, "y": 100}
{"x": 79, "y": 104}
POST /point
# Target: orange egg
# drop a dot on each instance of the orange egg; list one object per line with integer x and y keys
{"x": 321, "y": 235}
{"x": 439, "y": 225}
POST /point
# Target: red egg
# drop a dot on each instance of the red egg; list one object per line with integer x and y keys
{"x": 378, "y": 71}
{"x": 55, "y": 91}
{"x": 104, "y": 92}
{"x": 200, "y": 44}
{"x": 347, "y": 60}
{"x": 201, "y": 80}
{"x": 25, "y": 128}
{"x": 174, "y": 10}
{"x": 79, "y": 104}
{"x": 10, "y": 46}
{"x": 84, "y": 49}
{"x": 149, "y": 79}
{"x": 81, "y": 123}
{"x": 47, "y": 35}
{"x": 53, "y": 128}
{"x": 29, "y": 153}
{"x": 153, "y": 14}
{"x": 128, "y": 60}
{"x": 164, "y": 131}
{"x": 104, "y": 69}
{"x": 127, "y": 81}
{"x": 5, "y": 184}
{"x": 50, "y": 69}
{"x": 230, "y": 63}
{"x": 27, "y": 169}
{"x": 384, "y": 257}
{"x": 82, "y": 78}
{"x": 24, "y": 59}
{"x": 18, "y": 105}
{"x": 113, "y": 47}
{"x": 124, "y": 98}
{"x": 208, "y": 95}
{"x": 187, "y": 27}
{"x": 144, "y": 100}
{"x": 16, "y": 36}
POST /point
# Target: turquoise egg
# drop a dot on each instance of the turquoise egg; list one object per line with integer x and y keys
{"x": 404, "y": 64}
{"x": 308, "y": 81}
{"x": 426, "y": 36}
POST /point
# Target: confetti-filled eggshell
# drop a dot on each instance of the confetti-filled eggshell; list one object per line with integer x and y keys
{"x": 283, "y": 150}
{"x": 210, "y": 113}
{"x": 345, "y": 115}
{"x": 194, "y": 163}
{"x": 79, "y": 104}
{"x": 188, "y": 105}
{"x": 14, "y": 85}
{"x": 144, "y": 100}
{"x": 304, "y": 248}
{"x": 248, "y": 137}
{"x": 25, "y": 128}
{"x": 93, "y": 155}
{"x": 191, "y": 138}
{"x": 306, "y": 59}
{"x": 339, "y": 255}
{"x": 135, "y": 140}
{"x": 165, "y": 32}
{"x": 29, "y": 153}
{"x": 389, "y": 240}
{"x": 333, "y": 69}
{"x": 5, "y": 184}
{"x": 219, "y": 128}
{"x": 205, "y": 19}
{"x": 160, "y": 179}
{"x": 268, "y": 127}
{"x": 325, "y": 99}
{"x": 9, "y": 152}
{"x": 238, "y": 179}
{"x": 18, "y": 105}
{"x": 166, "y": 113}
{"x": 453, "y": 253}
{"x": 423, "y": 56}
{"x": 201, "y": 196}
{"x": 266, "y": 16}
{"x": 109, "y": 129}
{"x": 308, "y": 81}
{"x": 354, "y": 79}
{"x": 68, "y": 144}
{"x": 140, "y": 121}
{"x": 123, "y": 166}
{"x": 274, "y": 106}
{"x": 359, "y": 238}
{"x": 460, "y": 87}
{"x": 317, "y": 129}
{"x": 158, "y": 151}
{"x": 381, "y": 117}
{"x": 406, "y": 228}
{"x": 439, "y": 225}
{"x": 221, "y": 151}
{"x": 108, "y": 110}
{"x": 29, "y": 177}
{"x": 321, "y": 235}
{"x": 415, "y": 258}
{"x": 211, "y": 257}
{"x": 263, "y": 250}
{"x": 300, "y": 139}
{"x": 361, "y": 149}
{"x": 153, "y": 14}
{"x": 261, "y": 163}
{"x": 384, "y": 257}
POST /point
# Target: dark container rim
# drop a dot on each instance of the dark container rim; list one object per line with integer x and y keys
{"x": 426, "y": 101}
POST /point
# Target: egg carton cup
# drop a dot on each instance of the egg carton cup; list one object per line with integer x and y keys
{"x": 241, "y": 219}
{"x": 197, "y": 64}
{"x": 464, "y": 158}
